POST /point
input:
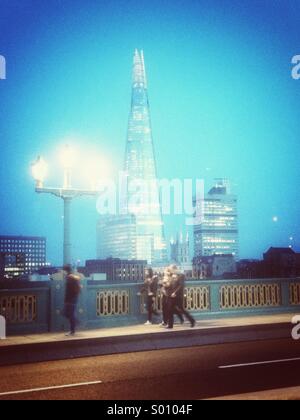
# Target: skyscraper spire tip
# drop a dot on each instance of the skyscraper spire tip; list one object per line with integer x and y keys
{"x": 139, "y": 71}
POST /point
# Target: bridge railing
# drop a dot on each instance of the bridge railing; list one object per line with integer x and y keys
{"x": 38, "y": 307}
{"x": 26, "y": 308}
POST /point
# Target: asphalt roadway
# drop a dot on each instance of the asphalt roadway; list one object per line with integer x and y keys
{"x": 178, "y": 374}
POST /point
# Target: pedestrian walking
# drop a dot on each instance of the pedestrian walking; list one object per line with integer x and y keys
{"x": 178, "y": 294}
{"x": 171, "y": 302}
{"x": 72, "y": 293}
{"x": 167, "y": 307}
{"x": 150, "y": 290}
{"x": 165, "y": 293}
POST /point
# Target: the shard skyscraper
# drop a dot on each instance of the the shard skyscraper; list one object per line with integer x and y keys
{"x": 142, "y": 228}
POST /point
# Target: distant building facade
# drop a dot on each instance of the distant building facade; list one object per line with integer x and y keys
{"x": 251, "y": 269}
{"x": 281, "y": 262}
{"x": 180, "y": 250}
{"x": 180, "y": 253}
{"x": 216, "y": 232}
{"x": 12, "y": 265}
{"x": 117, "y": 270}
{"x": 32, "y": 248}
{"x": 116, "y": 237}
{"x": 214, "y": 267}
{"x": 276, "y": 263}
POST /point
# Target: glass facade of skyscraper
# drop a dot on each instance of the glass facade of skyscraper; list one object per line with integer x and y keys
{"x": 116, "y": 237}
{"x": 217, "y": 232}
{"x": 141, "y": 235}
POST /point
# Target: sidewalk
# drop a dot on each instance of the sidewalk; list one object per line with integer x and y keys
{"x": 55, "y": 346}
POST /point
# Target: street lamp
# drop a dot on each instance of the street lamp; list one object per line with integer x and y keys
{"x": 66, "y": 193}
{"x": 68, "y": 159}
{"x": 39, "y": 171}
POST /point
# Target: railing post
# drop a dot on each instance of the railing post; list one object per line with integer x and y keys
{"x": 285, "y": 293}
{"x": 215, "y": 288}
{"x": 57, "y": 291}
{"x": 135, "y": 308}
{"x": 82, "y": 308}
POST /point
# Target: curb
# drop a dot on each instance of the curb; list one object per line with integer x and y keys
{"x": 102, "y": 346}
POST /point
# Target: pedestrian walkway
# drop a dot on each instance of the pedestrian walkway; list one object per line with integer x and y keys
{"x": 55, "y": 346}
{"x": 142, "y": 329}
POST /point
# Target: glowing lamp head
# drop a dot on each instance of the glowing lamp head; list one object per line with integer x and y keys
{"x": 68, "y": 157}
{"x": 39, "y": 170}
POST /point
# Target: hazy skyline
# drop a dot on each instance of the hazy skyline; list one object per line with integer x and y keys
{"x": 223, "y": 104}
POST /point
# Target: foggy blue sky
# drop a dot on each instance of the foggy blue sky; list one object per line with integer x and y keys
{"x": 222, "y": 99}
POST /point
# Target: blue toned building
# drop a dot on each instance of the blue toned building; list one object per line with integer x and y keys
{"x": 138, "y": 233}
{"x": 116, "y": 237}
{"x": 217, "y": 232}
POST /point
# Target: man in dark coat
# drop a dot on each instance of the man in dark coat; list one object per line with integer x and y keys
{"x": 72, "y": 293}
{"x": 150, "y": 290}
{"x": 178, "y": 295}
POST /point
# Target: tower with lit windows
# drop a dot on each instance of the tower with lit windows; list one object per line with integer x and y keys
{"x": 147, "y": 240}
{"x": 217, "y": 233}
{"x": 22, "y": 254}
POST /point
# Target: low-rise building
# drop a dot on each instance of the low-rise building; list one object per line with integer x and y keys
{"x": 117, "y": 270}
{"x": 251, "y": 269}
{"x": 281, "y": 262}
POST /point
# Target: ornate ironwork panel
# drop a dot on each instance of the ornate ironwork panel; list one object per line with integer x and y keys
{"x": 250, "y": 296}
{"x": 113, "y": 302}
{"x": 195, "y": 299}
{"x": 295, "y": 294}
{"x": 19, "y": 309}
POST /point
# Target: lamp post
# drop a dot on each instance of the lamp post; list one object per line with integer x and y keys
{"x": 66, "y": 193}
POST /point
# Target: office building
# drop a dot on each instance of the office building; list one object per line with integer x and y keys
{"x": 30, "y": 248}
{"x": 12, "y": 265}
{"x": 216, "y": 232}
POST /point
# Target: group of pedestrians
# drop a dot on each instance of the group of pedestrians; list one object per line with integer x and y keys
{"x": 172, "y": 285}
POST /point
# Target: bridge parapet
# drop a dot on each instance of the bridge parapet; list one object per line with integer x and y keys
{"x": 37, "y": 307}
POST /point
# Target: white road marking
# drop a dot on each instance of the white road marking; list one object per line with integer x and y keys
{"x": 269, "y": 362}
{"x": 50, "y": 388}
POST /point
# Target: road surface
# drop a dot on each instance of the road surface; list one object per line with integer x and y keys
{"x": 190, "y": 373}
